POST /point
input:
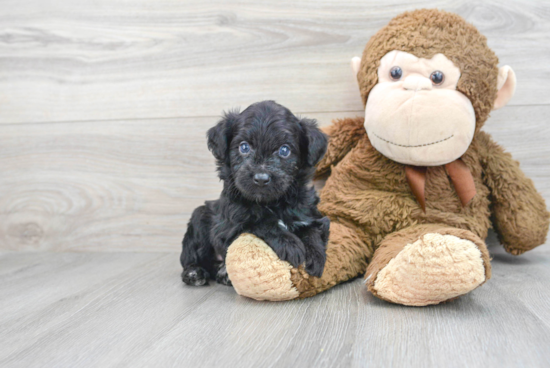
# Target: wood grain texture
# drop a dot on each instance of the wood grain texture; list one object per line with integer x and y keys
{"x": 104, "y": 106}
{"x": 132, "y": 185}
{"x": 131, "y": 310}
{"x": 112, "y": 59}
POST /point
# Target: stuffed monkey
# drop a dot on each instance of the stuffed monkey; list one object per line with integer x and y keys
{"x": 414, "y": 187}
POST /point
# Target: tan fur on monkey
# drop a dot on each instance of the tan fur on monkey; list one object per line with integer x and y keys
{"x": 413, "y": 187}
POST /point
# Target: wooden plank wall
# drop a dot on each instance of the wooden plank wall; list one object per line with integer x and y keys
{"x": 104, "y": 104}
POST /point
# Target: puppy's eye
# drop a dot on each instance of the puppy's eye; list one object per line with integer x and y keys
{"x": 244, "y": 148}
{"x": 396, "y": 73}
{"x": 284, "y": 151}
{"x": 437, "y": 77}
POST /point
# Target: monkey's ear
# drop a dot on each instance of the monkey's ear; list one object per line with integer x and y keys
{"x": 314, "y": 141}
{"x": 219, "y": 136}
{"x": 506, "y": 85}
{"x": 355, "y": 64}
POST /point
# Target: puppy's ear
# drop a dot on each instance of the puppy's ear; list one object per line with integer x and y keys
{"x": 316, "y": 141}
{"x": 219, "y": 136}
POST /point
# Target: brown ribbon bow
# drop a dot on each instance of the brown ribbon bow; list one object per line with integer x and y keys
{"x": 458, "y": 172}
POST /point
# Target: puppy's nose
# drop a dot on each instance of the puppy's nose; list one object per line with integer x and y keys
{"x": 261, "y": 179}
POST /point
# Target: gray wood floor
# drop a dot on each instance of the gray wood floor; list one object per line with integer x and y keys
{"x": 103, "y": 110}
{"x": 131, "y": 310}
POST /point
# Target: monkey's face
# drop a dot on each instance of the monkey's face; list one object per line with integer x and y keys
{"x": 415, "y": 115}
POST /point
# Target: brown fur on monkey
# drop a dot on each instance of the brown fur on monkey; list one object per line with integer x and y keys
{"x": 410, "y": 200}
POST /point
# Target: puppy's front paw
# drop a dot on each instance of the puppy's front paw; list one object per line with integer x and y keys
{"x": 315, "y": 241}
{"x": 325, "y": 229}
{"x": 315, "y": 263}
{"x": 291, "y": 249}
{"x": 195, "y": 276}
{"x": 222, "y": 277}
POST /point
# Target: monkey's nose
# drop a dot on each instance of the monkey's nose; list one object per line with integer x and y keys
{"x": 262, "y": 179}
{"x": 417, "y": 83}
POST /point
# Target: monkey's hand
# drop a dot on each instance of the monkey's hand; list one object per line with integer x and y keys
{"x": 519, "y": 211}
{"x": 343, "y": 136}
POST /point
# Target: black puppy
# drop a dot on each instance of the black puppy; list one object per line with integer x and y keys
{"x": 266, "y": 158}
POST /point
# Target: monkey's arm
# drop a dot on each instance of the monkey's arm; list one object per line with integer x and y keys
{"x": 343, "y": 136}
{"x": 519, "y": 211}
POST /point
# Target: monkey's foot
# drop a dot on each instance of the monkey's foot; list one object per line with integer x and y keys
{"x": 257, "y": 272}
{"x": 433, "y": 268}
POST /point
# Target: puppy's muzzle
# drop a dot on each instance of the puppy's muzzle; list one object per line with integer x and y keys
{"x": 262, "y": 179}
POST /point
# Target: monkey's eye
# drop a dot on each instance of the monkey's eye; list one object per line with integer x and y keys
{"x": 284, "y": 151}
{"x": 437, "y": 77}
{"x": 244, "y": 148}
{"x": 396, "y": 73}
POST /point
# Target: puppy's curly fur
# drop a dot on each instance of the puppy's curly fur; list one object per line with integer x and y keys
{"x": 266, "y": 158}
